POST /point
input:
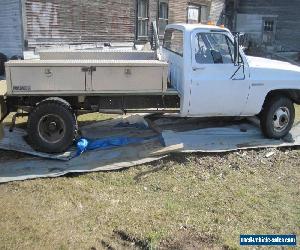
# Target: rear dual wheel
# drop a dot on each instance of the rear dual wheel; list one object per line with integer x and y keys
{"x": 52, "y": 126}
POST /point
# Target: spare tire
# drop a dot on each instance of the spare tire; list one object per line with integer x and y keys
{"x": 3, "y": 59}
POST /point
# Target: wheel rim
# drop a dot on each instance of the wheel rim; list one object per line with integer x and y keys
{"x": 281, "y": 119}
{"x": 51, "y": 128}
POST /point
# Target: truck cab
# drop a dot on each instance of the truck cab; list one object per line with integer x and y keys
{"x": 202, "y": 69}
{"x": 214, "y": 77}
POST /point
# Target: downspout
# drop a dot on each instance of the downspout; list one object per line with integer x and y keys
{"x": 235, "y": 12}
{"x": 23, "y": 17}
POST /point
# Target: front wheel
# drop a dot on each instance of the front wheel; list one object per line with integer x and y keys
{"x": 277, "y": 117}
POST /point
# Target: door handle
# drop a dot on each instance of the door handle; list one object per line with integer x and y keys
{"x": 198, "y": 68}
{"x": 48, "y": 72}
{"x": 127, "y": 71}
{"x": 89, "y": 69}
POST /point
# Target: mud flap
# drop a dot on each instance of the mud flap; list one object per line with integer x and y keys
{"x": 1, "y": 131}
{"x": 3, "y": 114}
{"x": 3, "y": 108}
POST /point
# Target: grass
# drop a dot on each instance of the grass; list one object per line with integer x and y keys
{"x": 191, "y": 201}
{"x": 213, "y": 198}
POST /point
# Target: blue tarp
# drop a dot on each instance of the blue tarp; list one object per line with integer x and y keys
{"x": 85, "y": 144}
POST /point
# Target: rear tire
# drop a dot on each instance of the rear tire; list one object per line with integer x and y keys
{"x": 277, "y": 117}
{"x": 52, "y": 126}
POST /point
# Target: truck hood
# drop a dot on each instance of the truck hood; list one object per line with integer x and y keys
{"x": 263, "y": 68}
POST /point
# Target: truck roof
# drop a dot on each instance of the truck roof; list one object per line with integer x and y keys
{"x": 191, "y": 27}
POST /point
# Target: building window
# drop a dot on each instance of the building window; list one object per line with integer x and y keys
{"x": 197, "y": 14}
{"x": 269, "y": 25}
{"x": 204, "y": 14}
{"x": 142, "y": 19}
{"x": 163, "y": 16}
{"x": 268, "y": 30}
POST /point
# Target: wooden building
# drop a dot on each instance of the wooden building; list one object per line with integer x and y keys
{"x": 28, "y": 24}
{"x": 271, "y": 23}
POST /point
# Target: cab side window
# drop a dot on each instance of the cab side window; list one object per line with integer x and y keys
{"x": 213, "y": 48}
{"x": 173, "y": 41}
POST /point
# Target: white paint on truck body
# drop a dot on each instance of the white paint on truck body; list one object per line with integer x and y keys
{"x": 176, "y": 72}
{"x": 267, "y": 75}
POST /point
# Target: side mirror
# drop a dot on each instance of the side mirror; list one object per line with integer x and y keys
{"x": 217, "y": 56}
{"x": 236, "y": 49}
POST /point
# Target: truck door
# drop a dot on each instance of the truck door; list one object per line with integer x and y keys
{"x": 218, "y": 87}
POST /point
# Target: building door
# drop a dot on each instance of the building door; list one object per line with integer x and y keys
{"x": 269, "y": 30}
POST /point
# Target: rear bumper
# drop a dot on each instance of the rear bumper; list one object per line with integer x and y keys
{"x": 3, "y": 108}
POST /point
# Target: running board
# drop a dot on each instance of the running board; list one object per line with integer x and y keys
{"x": 136, "y": 111}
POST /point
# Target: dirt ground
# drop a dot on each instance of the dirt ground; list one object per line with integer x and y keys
{"x": 186, "y": 201}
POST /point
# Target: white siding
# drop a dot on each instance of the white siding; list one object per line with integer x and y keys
{"x": 11, "y": 41}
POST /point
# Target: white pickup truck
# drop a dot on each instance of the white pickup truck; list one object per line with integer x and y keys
{"x": 201, "y": 71}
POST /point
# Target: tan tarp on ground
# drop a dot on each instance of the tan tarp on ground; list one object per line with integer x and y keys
{"x": 178, "y": 134}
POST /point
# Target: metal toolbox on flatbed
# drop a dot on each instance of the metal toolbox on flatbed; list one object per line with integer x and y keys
{"x": 44, "y": 77}
{"x": 66, "y": 54}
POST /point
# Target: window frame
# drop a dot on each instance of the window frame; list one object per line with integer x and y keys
{"x": 199, "y": 6}
{"x": 175, "y": 52}
{"x": 161, "y": 18}
{"x": 201, "y": 13}
{"x": 140, "y": 19}
{"x": 268, "y": 37}
{"x": 228, "y": 39}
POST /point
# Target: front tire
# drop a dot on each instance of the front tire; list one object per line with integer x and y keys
{"x": 277, "y": 117}
{"x": 52, "y": 126}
